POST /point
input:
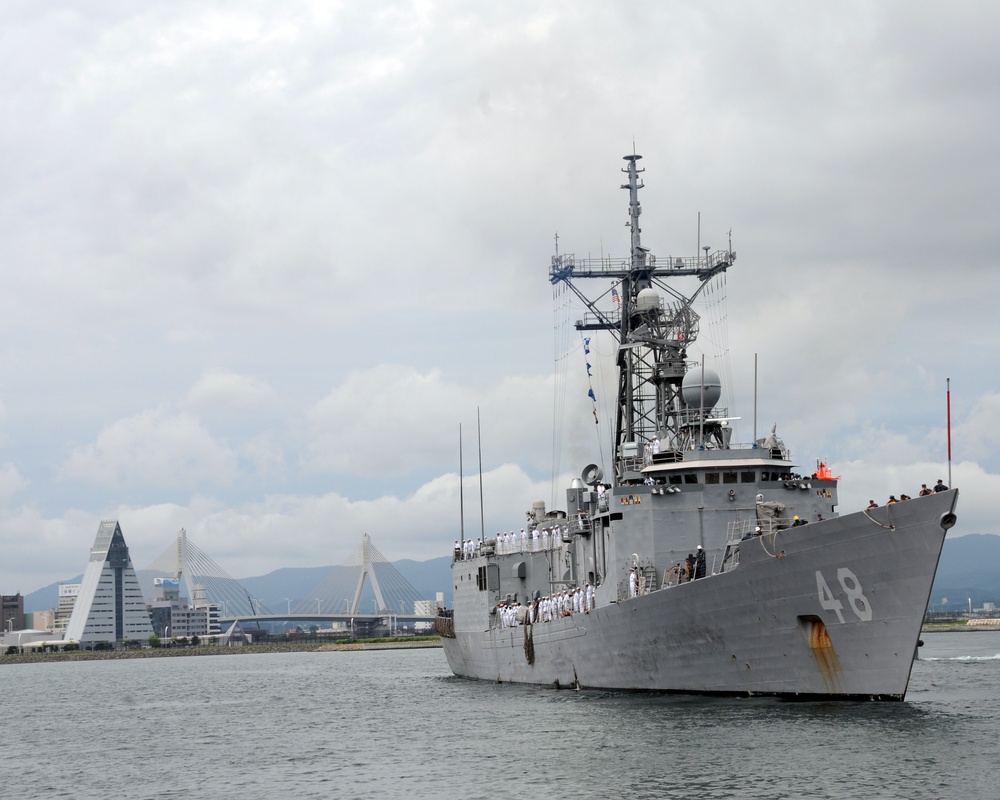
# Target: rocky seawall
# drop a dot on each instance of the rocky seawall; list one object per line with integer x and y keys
{"x": 195, "y": 652}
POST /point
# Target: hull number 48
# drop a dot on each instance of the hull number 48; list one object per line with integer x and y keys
{"x": 856, "y": 599}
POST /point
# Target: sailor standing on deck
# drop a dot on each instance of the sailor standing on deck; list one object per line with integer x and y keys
{"x": 590, "y": 596}
{"x": 633, "y": 583}
{"x": 699, "y": 563}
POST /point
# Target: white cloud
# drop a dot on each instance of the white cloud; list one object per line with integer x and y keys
{"x": 11, "y": 482}
{"x": 978, "y": 435}
{"x": 281, "y": 530}
{"x": 393, "y": 420}
{"x": 156, "y": 448}
{"x": 188, "y": 333}
{"x": 221, "y": 390}
{"x": 261, "y": 260}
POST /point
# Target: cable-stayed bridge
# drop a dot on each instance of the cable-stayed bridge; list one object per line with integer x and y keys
{"x": 342, "y": 590}
{"x": 366, "y": 586}
{"x": 203, "y": 579}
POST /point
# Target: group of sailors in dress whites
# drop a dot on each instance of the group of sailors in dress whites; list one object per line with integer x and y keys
{"x": 528, "y": 541}
{"x": 465, "y": 550}
{"x": 650, "y": 449}
{"x": 507, "y": 542}
{"x": 579, "y": 600}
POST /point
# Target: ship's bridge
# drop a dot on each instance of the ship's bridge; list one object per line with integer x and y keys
{"x": 665, "y": 463}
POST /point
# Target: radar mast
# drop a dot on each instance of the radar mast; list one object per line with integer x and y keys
{"x": 653, "y": 328}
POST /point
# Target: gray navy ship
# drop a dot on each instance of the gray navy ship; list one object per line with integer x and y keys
{"x": 701, "y": 565}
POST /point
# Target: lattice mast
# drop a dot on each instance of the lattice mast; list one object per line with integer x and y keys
{"x": 652, "y": 334}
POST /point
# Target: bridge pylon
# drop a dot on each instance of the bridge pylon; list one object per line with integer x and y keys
{"x": 343, "y": 590}
{"x": 367, "y": 570}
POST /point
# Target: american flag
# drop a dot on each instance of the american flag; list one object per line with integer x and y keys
{"x": 616, "y": 297}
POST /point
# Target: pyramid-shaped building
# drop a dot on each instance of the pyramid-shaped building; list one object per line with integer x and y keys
{"x": 110, "y": 606}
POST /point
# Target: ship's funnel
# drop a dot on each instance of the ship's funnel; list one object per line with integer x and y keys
{"x": 592, "y": 474}
{"x": 691, "y": 388}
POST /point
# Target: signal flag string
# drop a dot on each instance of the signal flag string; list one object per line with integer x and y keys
{"x": 590, "y": 384}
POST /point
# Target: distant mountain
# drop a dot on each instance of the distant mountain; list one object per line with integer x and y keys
{"x": 969, "y": 568}
{"x": 298, "y": 583}
{"x": 47, "y": 597}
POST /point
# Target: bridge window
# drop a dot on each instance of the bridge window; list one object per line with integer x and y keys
{"x": 729, "y": 477}
{"x": 748, "y": 477}
{"x": 692, "y": 478}
{"x": 711, "y": 478}
{"x": 675, "y": 479}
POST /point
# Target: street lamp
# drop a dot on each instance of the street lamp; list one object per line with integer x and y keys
{"x": 10, "y": 624}
{"x": 317, "y": 605}
{"x": 289, "y": 606}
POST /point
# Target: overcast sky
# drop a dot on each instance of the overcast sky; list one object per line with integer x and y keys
{"x": 258, "y": 261}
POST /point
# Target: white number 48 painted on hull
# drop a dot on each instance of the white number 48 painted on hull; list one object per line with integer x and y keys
{"x": 856, "y": 599}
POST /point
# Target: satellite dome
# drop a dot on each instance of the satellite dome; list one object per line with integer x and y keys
{"x": 691, "y": 388}
{"x": 647, "y": 300}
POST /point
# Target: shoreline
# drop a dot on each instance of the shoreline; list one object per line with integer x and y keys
{"x": 208, "y": 650}
{"x": 958, "y": 628}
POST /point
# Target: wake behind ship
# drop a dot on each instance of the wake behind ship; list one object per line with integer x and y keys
{"x": 702, "y": 565}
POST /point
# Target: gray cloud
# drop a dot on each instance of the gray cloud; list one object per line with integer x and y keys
{"x": 257, "y": 262}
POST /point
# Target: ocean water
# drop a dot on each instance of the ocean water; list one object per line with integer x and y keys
{"x": 396, "y": 724}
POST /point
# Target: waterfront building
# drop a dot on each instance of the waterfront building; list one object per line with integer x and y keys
{"x": 22, "y": 639}
{"x": 213, "y": 615}
{"x": 12, "y": 607}
{"x": 40, "y": 620}
{"x": 68, "y": 592}
{"x": 173, "y": 616}
{"x": 212, "y": 611}
{"x": 110, "y": 606}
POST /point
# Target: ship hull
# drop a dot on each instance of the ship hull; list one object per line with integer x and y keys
{"x": 827, "y": 610}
